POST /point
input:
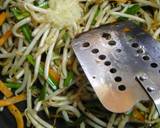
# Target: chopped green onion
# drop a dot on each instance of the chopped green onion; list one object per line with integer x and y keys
{"x": 42, "y": 93}
{"x": 19, "y": 14}
{"x": 12, "y": 85}
{"x": 70, "y": 77}
{"x": 132, "y": 10}
{"x": 26, "y": 30}
{"x": 42, "y": 4}
{"x": 50, "y": 81}
{"x": 95, "y": 16}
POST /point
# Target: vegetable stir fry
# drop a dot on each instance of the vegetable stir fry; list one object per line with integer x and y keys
{"x": 38, "y": 65}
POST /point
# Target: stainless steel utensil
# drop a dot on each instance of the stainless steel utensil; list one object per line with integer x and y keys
{"x": 121, "y": 61}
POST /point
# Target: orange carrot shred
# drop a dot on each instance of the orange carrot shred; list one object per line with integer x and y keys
{"x": 12, "y": 100}
{"x": 12, "y": 108}
{"x": 53, "y": 73}
{"x": 3, "y": 17}
{"x": 5, "y": 37}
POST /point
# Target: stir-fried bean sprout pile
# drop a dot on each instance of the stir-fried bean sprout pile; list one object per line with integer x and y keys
{"x": 38, "y": 65}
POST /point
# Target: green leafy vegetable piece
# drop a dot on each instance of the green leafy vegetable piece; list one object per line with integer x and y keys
{"x": 50, "y": 81}
{"x": 42, "y": 93}
{"x": 26, "y": 30}
{"x": 13, "y": 85}
{"x": 69, "y": 79}
{"x": 42, "y": 4}
{"x": 19, "y": 14}
{"x": 134, "y": 9}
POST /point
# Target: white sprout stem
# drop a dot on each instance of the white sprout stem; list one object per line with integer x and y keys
{"x": 82, "y": 125}
{"x": 101, "y": 15}
{"x": 123, "y": 122}
{"x": 127, "y": 16}
{"x": 36, "y": 30}
{"x": 148, "y": 3}
{"x": 29, "y": 93}
{"x": 71, "y": 109}
{"x": 64, "y": 59}
{"x": 91, "y": 17}
{"x": 38, "y": 119}
{"x": 50, "y": 52}
{"x": 38, "y": 58}
{"x": 3, "y": 51}
{"x": 90, "y": 115}
{"x": 141, "y": 107}
{"x": 34, "y": 8}
{"x": 19, "y": 24}
{"x": 5, "y": 4}
{"x": 65, "y": 116}
{"x": 32, "y": 44}
{"x": 38, "y": 106}
{"x": 34, "y": 122}
{"x": 92, "y": 124}
{"x": 153, "y": 108}
{"x": 111, "y": 121}
{"x": 19, "y": 74}
{"x": 59, "y": 98}
{"x": 59, "y": 104}
{"x": 157, "y": 33}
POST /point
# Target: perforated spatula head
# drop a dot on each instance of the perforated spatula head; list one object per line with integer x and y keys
{"x": 115, "y": 59}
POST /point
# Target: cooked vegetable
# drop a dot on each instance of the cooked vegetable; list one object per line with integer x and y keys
{"x": 36, "y": 58}
{"x": 3, "y": 16}
{"x": 5, "y": 37}
{"x": 12, "y": 108}
{"x": 12, "y": 100}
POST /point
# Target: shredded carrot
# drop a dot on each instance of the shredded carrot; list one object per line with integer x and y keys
{"x": 138, "y": 115}
{"x": 12, "y": 100}
{"x": 5, "y": 90}
{"x": 12, "y": 108}
{"x": 53, "y": 73}
{"x": 3, "y": 17}
{"x": 17, "y": 114}
{"x": 5, "y": 37}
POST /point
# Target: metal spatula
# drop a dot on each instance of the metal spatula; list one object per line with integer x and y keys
{"x": 121, "y": 61}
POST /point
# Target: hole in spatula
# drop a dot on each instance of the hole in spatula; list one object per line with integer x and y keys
{"x": 140, "y": 51}
{"x": 146, "y": 58}
{"x": 107, "y": 36}
{"x": 113, "y": 70}
{"x": 118, "y": 79}
{"x": 86, "y": 44}
{"x": 135, "y": 45}
{"x": 112, "y": 43}
{"x": 122, "y": 87}
{"x": 95, "y": 51}
{"x": 154, "y": 65}
{"x": 102, "y": 57}
{"x": 107, "y": 63}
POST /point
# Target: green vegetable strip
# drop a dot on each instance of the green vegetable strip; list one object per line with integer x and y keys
{"x": 134, "y": 9}
{"x": 12, "y": 85}
{"x": 50, "y": 81}
{"x": 42, "y": 4}
{"x": 69, "y": 79}
{"x": 26, "y": 30}
{"x": 19, "y": 14}
{"x": 42, "y": 93}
